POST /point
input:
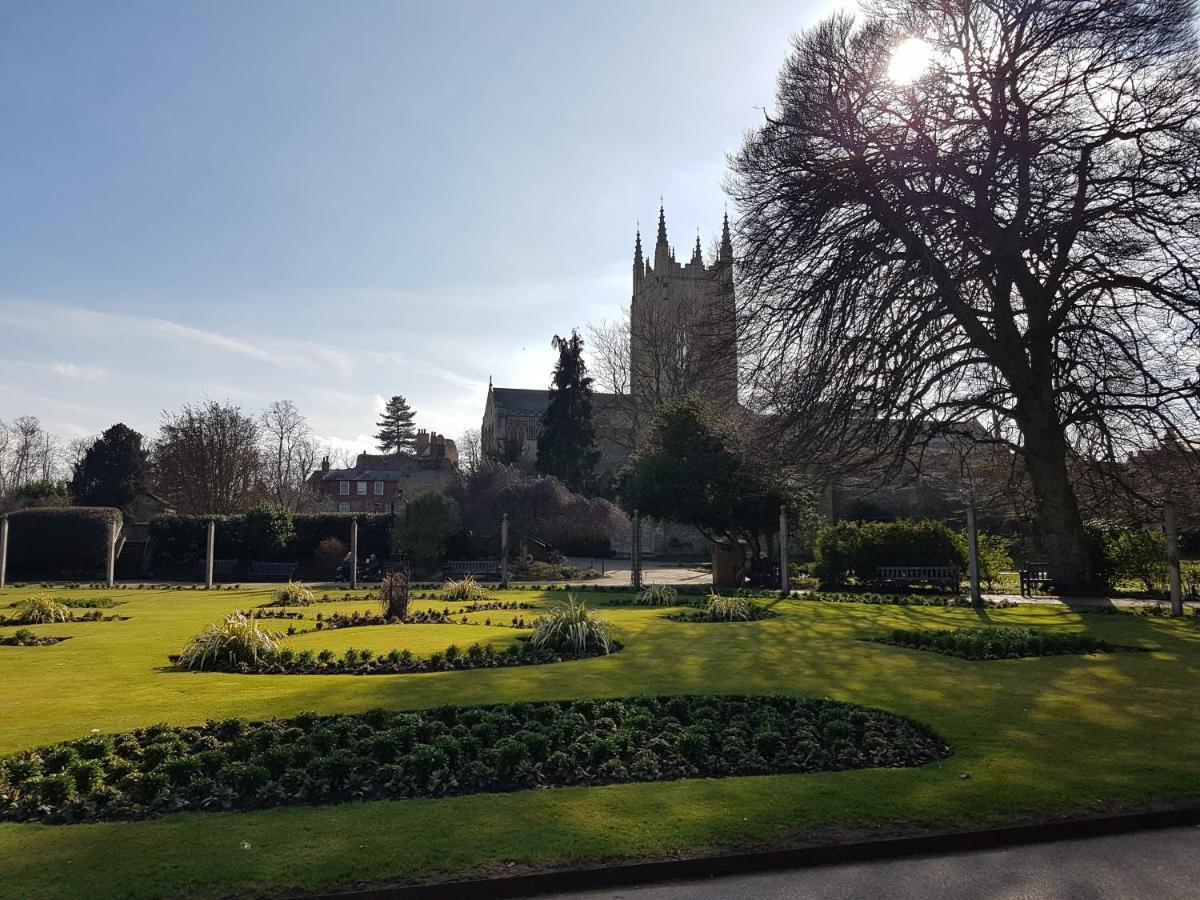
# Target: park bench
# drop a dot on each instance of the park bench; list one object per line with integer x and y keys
{"x": 947, "y": 576}
{"x": 478, "y": 567}
{"x": 272, "y": 571}
{"x": 1036, "y": 575}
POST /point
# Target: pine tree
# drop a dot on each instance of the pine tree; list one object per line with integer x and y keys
{"x": 567, "y": 445}
{"x": 396, "y": 430}
{"x": 112, "y": 470}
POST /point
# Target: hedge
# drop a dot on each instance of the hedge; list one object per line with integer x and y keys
{"x": 856, "y": 550}
{"x": 59, "y": 542}
{"x": 178, "y": 542}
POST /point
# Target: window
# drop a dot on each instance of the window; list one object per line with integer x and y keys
{"x": 344, "y": 488}
{"x": 362, "y": 488}
{"x": 379, "y": 489}
{"x": 378, "y": 507}
{"x": 343, "y": 506}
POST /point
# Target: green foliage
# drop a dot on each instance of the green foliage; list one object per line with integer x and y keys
{"x": 466, "y": 590}
{"x": 1000, "y": 643}
{"x": 857, "y": 549}
{"x": 59, "y": 543}
{"x": 567, "y": 443}
{"x": 570, "y": 627}
{"x": 386, "y": 754}
{"x": 224, "y": 645}
{"x": 873, "y": 599}
{"x": 692, "y": 471}
{"x": 38, "y": 494}
{"x": 728, "y": 609}
{"x": 994, "y": 558}
{"x": 397, "y": 432}
{"x": 294, "y": 593}
{"x": 40, "y": 610}
{"x": 113, "y": 469}
{"x": 427, "y": 525}
{"x": 1136, "y": 554}
{"x": 268, "y": 532}
{"x": 658, "y": 595}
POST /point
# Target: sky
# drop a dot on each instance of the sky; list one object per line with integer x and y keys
{"x": 332, "y": 203}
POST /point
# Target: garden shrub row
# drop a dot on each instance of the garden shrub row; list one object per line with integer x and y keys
{"x": 60, "y": 542}
{"x": 1000, "y": 643}
{"x": 453, "y": 750}
{"x": 856, "y": 550}
{"x": 875, "y": 599}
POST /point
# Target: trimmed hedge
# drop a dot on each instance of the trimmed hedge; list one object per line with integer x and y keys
{"x": 179, "y": 542}
{"x": 452, "y": 750}
{"x": 59, "y": 542}
{"x": 1000, "y": 643}
{"x": 856, "y": 550}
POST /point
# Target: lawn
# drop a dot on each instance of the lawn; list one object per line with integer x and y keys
{"x": 1032, "y": 738}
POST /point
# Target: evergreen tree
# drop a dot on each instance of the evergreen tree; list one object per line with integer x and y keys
{"x": 396, "y": 430}
{"x": 112, "y": 470}
{"x": 567, "y": 445}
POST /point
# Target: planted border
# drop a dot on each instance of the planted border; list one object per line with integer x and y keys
{"x": 878, "y": 599}
{"x": 385, "y": 755}
{"x": 1001, "y": 643}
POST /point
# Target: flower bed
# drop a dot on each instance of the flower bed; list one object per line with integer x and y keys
{"x": 383, "y": 754}
{"x": 1000, "y": 643}
{"x": 755, "y": 613}
{"x": 26, "y": 638}
{"x": 875, "y": 599}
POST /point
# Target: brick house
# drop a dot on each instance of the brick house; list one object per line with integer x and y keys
{"x": 377, "y": 482}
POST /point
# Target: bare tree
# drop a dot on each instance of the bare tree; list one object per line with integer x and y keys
{"x": 1013, "y": 233}
{"x": 470, "y": 450}
{"x": 28, "y": 453}
{"x": 208, "y": 458}
{"x": 289, "y": 454}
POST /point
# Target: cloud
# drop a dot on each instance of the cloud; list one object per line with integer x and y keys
{"x": 71, "y": 370}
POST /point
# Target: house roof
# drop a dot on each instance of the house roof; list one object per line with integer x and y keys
{"x": 533, "y": 401}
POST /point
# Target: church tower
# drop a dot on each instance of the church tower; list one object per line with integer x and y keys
{"x": 683, "y": 323}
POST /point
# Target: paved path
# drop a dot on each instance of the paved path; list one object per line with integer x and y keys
{"x": 1156, "y": 865}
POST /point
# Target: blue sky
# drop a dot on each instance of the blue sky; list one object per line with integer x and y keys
{"x": 334, "y": 202}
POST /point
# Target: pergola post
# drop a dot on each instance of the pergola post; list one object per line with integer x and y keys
{"x": 208, "y": 558}
{"x": 635, "y": 556}
{"x": 973, "y": 557}
{"x": 353, "y": 554}
{"x": 112, "y": 553}
{"x": 1171, "y": 531}
{"x": 504, "y": 551}
{"x": 785, "y": 582}
{"x": 3, "y": 549}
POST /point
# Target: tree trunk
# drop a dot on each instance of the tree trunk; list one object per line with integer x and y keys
{"x": 1060, "y": 525}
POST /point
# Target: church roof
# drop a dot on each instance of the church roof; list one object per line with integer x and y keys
{"x": 533, "y": 402}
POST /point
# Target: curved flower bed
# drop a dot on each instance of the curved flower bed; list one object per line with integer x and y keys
{"x": 1001, "y": 643}
{"x": 383, "y": 754}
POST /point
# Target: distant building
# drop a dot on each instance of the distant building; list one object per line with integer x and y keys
{"x": 377, "y": 481}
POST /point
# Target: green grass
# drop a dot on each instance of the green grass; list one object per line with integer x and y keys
{"x": 1037, "y": 737}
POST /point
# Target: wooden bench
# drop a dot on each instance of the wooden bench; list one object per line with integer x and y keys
{"x": 1037, "y": 575}
{"x": 461, "y": 567}
{"x": 269, "y": 571}
{"x": 907, "y": 575}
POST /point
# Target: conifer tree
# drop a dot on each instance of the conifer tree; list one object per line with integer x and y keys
{"x": 112, "y": 470}
{"x": 396, "y": 430}
{"x": 567, "y": 445}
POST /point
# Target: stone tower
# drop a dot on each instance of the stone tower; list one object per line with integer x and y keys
{"x": 683, "y": 323}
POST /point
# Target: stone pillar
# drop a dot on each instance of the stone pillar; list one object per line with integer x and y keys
{"x": 785, "y": 581}
{"x": 635, "y": 556}
{"x": 112, "y": 553}
{"x": 354, "y": 553}
{"x": 3, "y": 549}
{"x": 208, "y": 558}
{"x": 1171, "y": 530}
{"x": 973, "y": 557}
{"x": 504, "y": 551}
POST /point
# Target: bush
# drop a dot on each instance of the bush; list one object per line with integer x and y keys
{"x": 994, "y": 558}
{"x": 430, "y": 521}
{"x": 329, "y": 555}
{"x": 294, "y": 593}
{"x": 1136, "y": 555}
{"x": 39, "y": 610}
{"x": 728, "y": 609}
{"x": 60, "y": 543}
{"x": 999, "y": 643}
{"x": 387, "y": 754}
{"x": 658, "y": 595}
{"x": 571, "y": 628}
{"x": 225, "y": 645}
{"x": 468, "y": 590}
{"x": 268, "y": 532}
{"x": 856, "y": 550}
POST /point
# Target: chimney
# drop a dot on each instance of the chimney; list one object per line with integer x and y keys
{"x": 437, "y": 450}
{"x": 422, "y": 444}
{"x": 325, "y": 465}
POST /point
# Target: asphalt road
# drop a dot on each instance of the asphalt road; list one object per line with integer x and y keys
{"x": 1157, "y": 865}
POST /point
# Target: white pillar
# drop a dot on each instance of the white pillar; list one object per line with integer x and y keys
{"x": 354, "y": 553}
{"x": 785, "y": 582}
{"x": 112, "y": 553}
{"x": 3, "y": 549}
{"x": 208, "y": 559}
{"x": 504, "y": 551}
{"x": 1171, "y": 530}
{"x": 635, "y": 556}
{"x": 973, "y": 557}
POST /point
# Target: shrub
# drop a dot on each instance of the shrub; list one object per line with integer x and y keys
{"x": 227, "y": 644}
{"x": 329, "y": 555}
{"x": 728, "y": 609}
{"x": 467, "y": 590}
{"x": 1137, "y": 555}
{"x": 59, "y": 543}
{"x": 571, "y": 628}
{"x": 857, "y": 549}
{"x": 294, "y": 593}
{"x": 658, "y": 595}
{"x": 429, "y": 523}
{"x": 268, "y": 531}
{"x": 999, "y": 643}
{"x": 40, "y": 610}
{"x": 994, "y": 558}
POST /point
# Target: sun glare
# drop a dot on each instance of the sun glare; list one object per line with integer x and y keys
{"x": 909, "y": 61}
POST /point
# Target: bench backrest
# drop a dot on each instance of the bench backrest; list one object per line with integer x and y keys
{"x": 919, "y": 573}
{"x": 1040, "y": 571}
{"x": 269, "y": 568}
{"x": 471, "y": 566}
